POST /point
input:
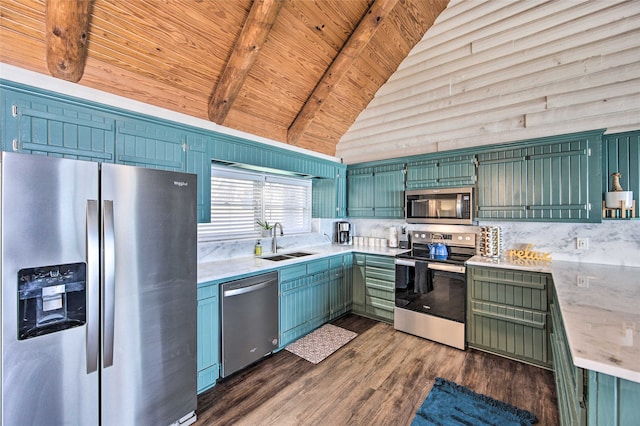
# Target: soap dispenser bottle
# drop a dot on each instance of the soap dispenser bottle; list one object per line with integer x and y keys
{"x": 258, "y": 248}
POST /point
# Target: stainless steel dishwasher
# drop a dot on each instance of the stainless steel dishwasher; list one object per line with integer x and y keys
{"x": 249, "y": 312}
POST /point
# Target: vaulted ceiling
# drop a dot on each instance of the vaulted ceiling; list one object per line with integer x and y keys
{"x": 295, "y": 71}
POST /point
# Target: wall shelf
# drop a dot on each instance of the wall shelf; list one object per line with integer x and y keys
{"x": 619, "y": 212}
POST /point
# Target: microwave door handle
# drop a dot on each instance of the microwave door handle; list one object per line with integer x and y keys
{"x": 459, "y": 206}
{"x": 108, "y": 271}
{"x": 93, "y": 285}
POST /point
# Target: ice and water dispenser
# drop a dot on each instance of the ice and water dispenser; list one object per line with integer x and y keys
{"x": 51, "y": 299}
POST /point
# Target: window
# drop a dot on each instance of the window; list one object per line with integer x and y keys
{"x": 239, "y": 199}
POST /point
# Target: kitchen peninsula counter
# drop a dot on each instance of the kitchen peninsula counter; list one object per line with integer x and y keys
{"x": 600, "y": 311}
{"x": 235, "y": 267}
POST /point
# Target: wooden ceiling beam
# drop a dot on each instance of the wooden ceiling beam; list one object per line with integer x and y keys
{"x": 67, "y": 35}
{"x": 254, "y": 33}
{"x": 358, "y": 40}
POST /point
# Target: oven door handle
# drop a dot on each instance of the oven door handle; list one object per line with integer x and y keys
{"x": 446, "y": 268}
{"x": 405, "y": 262}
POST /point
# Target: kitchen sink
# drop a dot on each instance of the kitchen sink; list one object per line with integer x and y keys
{"x": 298, "y": 254}
{"x": 295, "y": 254}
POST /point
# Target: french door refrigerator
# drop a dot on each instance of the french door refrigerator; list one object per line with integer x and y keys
{"x": 98, "y": 279}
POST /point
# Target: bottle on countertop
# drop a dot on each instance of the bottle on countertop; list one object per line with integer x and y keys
{"x": 258, "y": 248}
{"x": 393, "y": 237}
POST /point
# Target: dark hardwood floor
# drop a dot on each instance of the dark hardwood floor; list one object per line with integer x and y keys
{"x": 379, "y": 378}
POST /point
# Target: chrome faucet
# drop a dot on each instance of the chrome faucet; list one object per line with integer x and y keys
{"x": 274, "y": 244}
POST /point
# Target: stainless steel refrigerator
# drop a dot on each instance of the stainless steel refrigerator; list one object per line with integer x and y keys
{"x": 98, "y": 279}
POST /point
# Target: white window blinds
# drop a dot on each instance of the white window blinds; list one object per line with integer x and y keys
{"x": 288, "y": 201}
{"x": 239, "y": 199}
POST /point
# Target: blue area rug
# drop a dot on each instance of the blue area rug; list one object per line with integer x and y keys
{"x": 451, "y": 404}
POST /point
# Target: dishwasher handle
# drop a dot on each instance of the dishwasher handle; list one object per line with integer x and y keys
{"x": 247, "y": 289}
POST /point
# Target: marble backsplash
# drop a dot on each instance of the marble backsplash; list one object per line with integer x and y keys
{"x": 613, "y": 242}
{"x": 221, "y": 250}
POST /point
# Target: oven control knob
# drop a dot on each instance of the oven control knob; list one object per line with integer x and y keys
{"x": 468, "y": 238}
{"x": 423, "y": 235}
{"x": 460, "y": 237}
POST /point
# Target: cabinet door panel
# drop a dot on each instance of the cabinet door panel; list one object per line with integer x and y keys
{"x": 198, "y": 161}
{"x": 150, "y": 145}
{"x": 293, "y": 312}
{"x": 422, "y": 174}
{"x": 318, "y": 297}
{"x": 514, "y": 288}
{"x": 360, "y": 193}
{"x": 555, "y": 181}
{"x": 501, "y": 186}
{"x": 457, "y": 170}
{"x": 358, "y": 280}
{"x": 389, "y": 191}
{"x": 511, "y": 331}
{"x": 556, "y": 186}
{"x": 63, "y": 129}
{"x": 208, "y": 346}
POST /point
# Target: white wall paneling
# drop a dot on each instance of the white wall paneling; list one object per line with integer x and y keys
{"x": 490, "y": 72}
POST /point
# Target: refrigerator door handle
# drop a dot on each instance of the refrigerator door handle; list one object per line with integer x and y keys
{"x": 108, "y": 271}
{"x": 93, "y": 286}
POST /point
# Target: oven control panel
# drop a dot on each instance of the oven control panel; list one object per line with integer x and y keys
{"x": 462, "y": 239}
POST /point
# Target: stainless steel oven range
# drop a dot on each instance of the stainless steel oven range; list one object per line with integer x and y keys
{"x": 431, "y": 286}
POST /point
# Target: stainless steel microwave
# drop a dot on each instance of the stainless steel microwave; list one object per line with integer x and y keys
{"x": 443, "y": 205}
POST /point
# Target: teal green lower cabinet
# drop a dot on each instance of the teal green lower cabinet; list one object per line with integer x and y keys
{"x": 340, "y": 289}
{"x": 507, "y": 313}
{"x": 587, "y": 397}
{"x": 374, "y": 286}
{"x": 612, "y": 400}
{"x": 208, "y": 336}
{"x": 304, "y": 299}
{"x": 357, "y": 282}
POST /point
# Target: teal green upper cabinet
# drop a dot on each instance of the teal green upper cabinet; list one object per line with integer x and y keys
{"x": 389, "y": 191}
{"x": 41, "y": 125}
{"x": 149, "y": 144}
{"x": 455, "y": 170}
{"x": 199, "y": 163}
{"x": 550, "y": 179}
{"x": 360, "y": 192}
{"x": 376, "y": 191}
{"x": 329, "y": 195}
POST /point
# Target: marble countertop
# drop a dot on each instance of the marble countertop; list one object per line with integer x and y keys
{"x": 600, "y": 307}
{"x": 600, "y": 304}
{"x": 209, "y": 271}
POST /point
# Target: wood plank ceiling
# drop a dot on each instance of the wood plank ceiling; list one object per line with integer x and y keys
{"x": 295, "y": 71}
